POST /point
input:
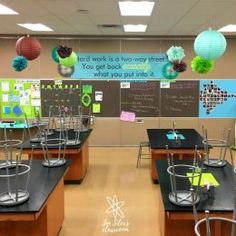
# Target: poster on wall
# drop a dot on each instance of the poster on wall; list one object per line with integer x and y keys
{"x": 217, "y": 99}
{"x": 19, "y": 97}
{"x": 122, "y": 66}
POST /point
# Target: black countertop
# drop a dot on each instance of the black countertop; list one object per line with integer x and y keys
{"x": 71, "y": 134}
{"x": 158, "y": 139}
{"x": 42, "y": 182}
{"x": 222, "y": 198}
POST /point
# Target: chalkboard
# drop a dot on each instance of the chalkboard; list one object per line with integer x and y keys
{"x": 142, "y": 98}
{"x": 180, "y": 100}
{"x": 110, "y": 100}
{"x": 60, "y": 93}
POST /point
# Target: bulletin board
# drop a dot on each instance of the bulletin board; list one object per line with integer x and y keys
{"x": 60, "y": 93}
{"x": 105, "y": 97}
{"x": 19, "y": 97}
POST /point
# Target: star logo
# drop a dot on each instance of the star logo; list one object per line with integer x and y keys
{"x": 115, "y": 207}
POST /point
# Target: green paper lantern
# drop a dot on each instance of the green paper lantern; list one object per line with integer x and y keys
{"x": 202, "y": 66}
{"x": 54, "y": 55}
{"x": 69, "y": 61}
{"x": 168, "y": 71}
{"x": 210, "y": 44}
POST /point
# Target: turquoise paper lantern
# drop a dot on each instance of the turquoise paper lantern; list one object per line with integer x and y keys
{"x": 210, "y": 44}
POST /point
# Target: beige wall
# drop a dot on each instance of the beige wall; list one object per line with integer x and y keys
{"x": 112, "y": 131}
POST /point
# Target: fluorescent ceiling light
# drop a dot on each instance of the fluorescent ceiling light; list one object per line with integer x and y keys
{"x": 36, "y": 27}
{"x": 131, "y": 8}
{"x": 135, "y": 28}
{"x": 228, "y": 28}
{"x": 7, "y": 11}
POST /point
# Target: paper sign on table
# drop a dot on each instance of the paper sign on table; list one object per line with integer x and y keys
{"x": 96, "y": 108}
{"x": 127, "y": 116}
{"x": 172, "y": 136}
{"x": 98, "y": 96}
{"x": 5, "y": 97}
{"x": 206, "y": 177}
{"x": 87, "y": 88}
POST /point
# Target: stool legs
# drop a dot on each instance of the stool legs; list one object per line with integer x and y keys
{"x": 139, "y": 156}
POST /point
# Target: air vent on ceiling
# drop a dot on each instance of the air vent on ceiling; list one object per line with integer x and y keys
{"x": 109, "y": 26}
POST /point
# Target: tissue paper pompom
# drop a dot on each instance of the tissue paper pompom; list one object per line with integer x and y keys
{"x": 64, "y": 51}
{"x": 175, "y": 53}
{"x": 54, "y": 55}
{"x": 69, "y": 61}
{"x": 202, "y": 66}
{"x": 19, "y": 63}
{"x": 180, "y": 66}
{"x": 169, "y": 72}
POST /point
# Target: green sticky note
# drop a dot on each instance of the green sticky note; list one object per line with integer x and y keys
{"x": 87, "y": 88}
{"x": 96, "y": 108}
{"x": 206, "y": 178}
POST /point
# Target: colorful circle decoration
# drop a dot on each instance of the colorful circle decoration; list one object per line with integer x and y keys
{"x": 64, "y": 51}
{"x": 168, "y": 71}
{"x": 54, "y": 55}
{"x": 65, "y": 71}
{"x": 202, "y": 66}
{"x": 28, "y": 47}
{"x": 210, "y": 44}
{"x": 86, "y": 100}
{"x": 175, "y": 53}
{"x": 179, "y": 66}
{"x": 19, "y": 63}
{"x": 69, "y": 61}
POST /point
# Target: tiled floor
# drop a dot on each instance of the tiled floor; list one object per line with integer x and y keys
{"x": 112, "y": 172}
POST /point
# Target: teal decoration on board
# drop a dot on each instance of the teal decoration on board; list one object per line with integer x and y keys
{"x": 210, "y": 44}
{"x": 202, "y": 66}
{"x": 69, "y": 61}
{"x": 19, "y": 63}
{"x": 175, "y": 53}
{"x": 168, "y": 71}
{"x": 54, "y": 55}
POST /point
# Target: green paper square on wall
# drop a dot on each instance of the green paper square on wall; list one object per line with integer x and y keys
{"x": 96, "y": 108}
{"x": 87, "y": 89}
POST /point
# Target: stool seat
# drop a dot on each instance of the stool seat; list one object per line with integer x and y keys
{"x": 142, "y": 144}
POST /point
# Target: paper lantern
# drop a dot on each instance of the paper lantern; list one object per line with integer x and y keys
{"x": 169, "y": 72}
{"x": 54, "y": 55}
{"x": 202, "y": 66}
{"x": 19, "y": 63}
{"x": 69, "y": 61}
{"x": 28, "y": 47}
{"x": 210, "y": 44}
{"x": 175, "y": 53}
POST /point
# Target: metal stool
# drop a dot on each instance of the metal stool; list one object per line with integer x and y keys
{"x": 140, "y": 152}
{"x": 16, "y": 173}
{"x": 222, "y": 144}
{"x": 208, "y": 218}
{"x": 55, "y": 144}
{"x": 184, "y": 197}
